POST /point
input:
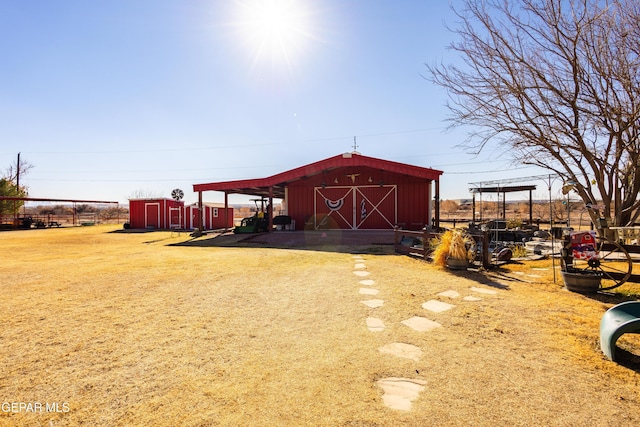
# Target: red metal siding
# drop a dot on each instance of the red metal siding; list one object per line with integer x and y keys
{"x": 413, "y": 205}
{"x": 300, "y": 206}
{"x": 136, "y": 213}
{"x": 219, "y": 220}
{"x": 211, "y": 221}
{"x": 155, "y": 213}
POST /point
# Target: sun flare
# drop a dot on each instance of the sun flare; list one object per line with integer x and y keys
{"x": 275, "y": 31}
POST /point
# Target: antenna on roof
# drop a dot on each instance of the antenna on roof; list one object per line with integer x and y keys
{"x": 355, "y": 145}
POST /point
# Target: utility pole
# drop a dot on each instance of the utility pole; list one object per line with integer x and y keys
{"x": 18, "y": 173}
{"x": 15, "y": 203}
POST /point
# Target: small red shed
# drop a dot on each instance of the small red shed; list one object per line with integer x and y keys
{"x": 158, "y": 214}
{"x": 215, "y": 216}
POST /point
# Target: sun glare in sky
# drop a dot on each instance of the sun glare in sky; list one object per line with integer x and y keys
{"x": 276, "y": 32}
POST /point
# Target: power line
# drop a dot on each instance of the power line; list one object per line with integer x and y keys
{"x": 488, "y": 171}
{"x": 514, "y": 180}
{"x": 224, "y": 147}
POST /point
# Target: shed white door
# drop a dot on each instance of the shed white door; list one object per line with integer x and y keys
{"x": 152, "y": 215}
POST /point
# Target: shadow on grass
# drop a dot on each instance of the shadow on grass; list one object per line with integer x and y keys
{"x": 480, "y": 276}
{"x": 133, "y": 231}
{"x": 627, "y": 359}
{"x": 608, "y": 297}
{"x": 377, "y": 242}
{"x": 343, "y": 241}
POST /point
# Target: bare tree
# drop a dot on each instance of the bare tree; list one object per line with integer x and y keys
{"x": 16, "y": 170}
{"x": 540, "y": 211}
{"x": 449, "y": 206}
{"x": 557, "y": 82}
{"x": 144, "y": 194}
{"x": 11, "y": 186}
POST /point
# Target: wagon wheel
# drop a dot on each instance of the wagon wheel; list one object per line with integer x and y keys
{"x": 613, "y": 262}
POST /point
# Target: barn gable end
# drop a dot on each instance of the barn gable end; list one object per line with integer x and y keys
{"x": 348, "y": 191}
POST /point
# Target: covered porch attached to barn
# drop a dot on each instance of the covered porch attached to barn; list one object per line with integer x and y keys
{"x": 348, "y": 191}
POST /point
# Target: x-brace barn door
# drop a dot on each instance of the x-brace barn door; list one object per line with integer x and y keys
{"x": 356, "y": 207}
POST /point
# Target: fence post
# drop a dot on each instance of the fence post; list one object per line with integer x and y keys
{"x": 486, "y": 257}
{"x": 425, "y": 243}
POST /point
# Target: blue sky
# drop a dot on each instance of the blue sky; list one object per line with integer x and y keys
{"x": 107, "y": 99}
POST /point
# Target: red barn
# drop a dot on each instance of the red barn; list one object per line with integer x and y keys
{"x": 348, "y": 191}
{"x": 158, "y": 214}
{"x": 215, "y": 216}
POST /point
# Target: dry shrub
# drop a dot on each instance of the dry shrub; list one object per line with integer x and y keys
{"x": 454, "y": 243}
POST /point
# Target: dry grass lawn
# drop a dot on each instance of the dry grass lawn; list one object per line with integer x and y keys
{"x": 126, "y": 329}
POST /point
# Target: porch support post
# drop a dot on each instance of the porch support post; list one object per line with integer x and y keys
{"x": 437, "y": 205}
{"x": 504, "y": 205}
{"x": 473, "y": 207}
{"x": 270, "y": 210}
{"x": 530, "y": 207}
{"x": 200, "y": 212}
{"x": 226, "y": 211}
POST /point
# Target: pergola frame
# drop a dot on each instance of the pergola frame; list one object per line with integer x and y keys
{"x": 506, "y": 189}
{"x": 44, "y": 199}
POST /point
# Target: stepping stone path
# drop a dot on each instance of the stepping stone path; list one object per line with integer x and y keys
{"x": 421, "y": 324}
{"x": 375, "y": 325}
{"x": 399, "y": 393}
{"x": 373, "y": 303}
{"x": 401, "y": 349}
{"x": 437, "y": 306}
{"x": 449, "y": 294}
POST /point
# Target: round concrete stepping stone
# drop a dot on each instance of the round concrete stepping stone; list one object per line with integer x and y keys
{"x": 483, "y": 290}
{"x": 361, "y": 273}
{"x": 472, "y": 298}
{"x": 400, "y": 392}
{"x": 437, "y": 306}
{"x": 373, "y": 303}
{"x": 449, "y": 294}
{"x": 367, "y": 282}
{"x": 369, "y": 291}
{"x": 375, "y": 325}
{"x": 357, "y": 256}
{"x": 401, "y": 349}
{"x": 421, "y": 324}
{"x": 359, "y": 265}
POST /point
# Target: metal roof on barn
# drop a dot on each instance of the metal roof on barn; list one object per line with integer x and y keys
{"x": 278, "y": 182}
